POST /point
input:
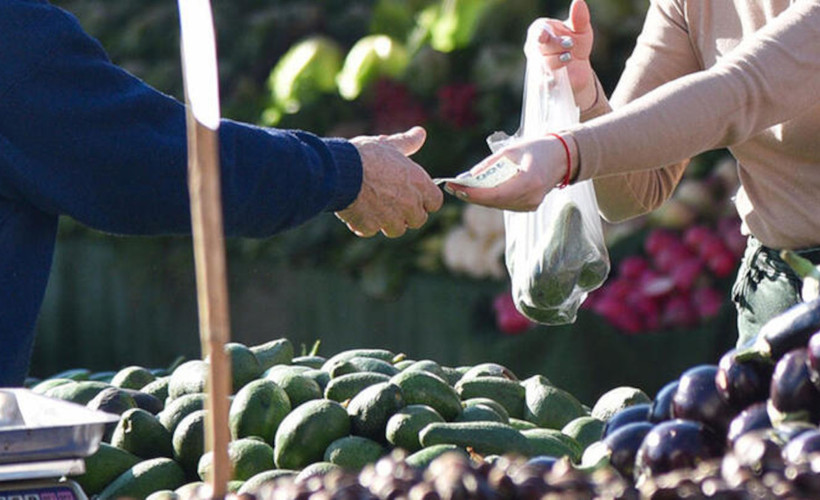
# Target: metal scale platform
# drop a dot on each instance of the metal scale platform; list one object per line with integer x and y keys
{"x": 43, "y": 442}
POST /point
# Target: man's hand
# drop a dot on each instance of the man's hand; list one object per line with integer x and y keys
{"x": 396, "y": 192}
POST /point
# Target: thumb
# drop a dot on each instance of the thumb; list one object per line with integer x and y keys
{"x": 408, "y": 142}
{"x": 579, "y": 16}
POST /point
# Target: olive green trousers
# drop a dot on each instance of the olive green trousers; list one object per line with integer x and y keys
{"x": 765, "y": 286}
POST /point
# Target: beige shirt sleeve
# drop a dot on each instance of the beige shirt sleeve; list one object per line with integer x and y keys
{"x": 666, "y": 109}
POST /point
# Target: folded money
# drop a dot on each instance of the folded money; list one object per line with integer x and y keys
{"x": 487, "y": 176}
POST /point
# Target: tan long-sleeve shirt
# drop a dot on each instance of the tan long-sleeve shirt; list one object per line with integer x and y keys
{"x": 709, "y": 74}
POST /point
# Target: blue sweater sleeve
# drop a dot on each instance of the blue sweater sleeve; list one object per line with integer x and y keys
{"x": 81, "y": 137}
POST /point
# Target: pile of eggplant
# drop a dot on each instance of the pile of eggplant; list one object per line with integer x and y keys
{"x": 751, "y": 419}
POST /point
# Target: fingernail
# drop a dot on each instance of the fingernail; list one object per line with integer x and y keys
{"x": 567, "y": 42}
{"x": 462, "y": 195}
{"x": 449, "y": 190}
{"x": 565, "y": 57}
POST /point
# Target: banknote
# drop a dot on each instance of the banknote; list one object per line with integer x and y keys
{"x": 488, "y": 176}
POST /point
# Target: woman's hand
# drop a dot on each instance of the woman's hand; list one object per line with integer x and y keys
{"x": 571, "y": 47}
{"x": 542, "y": 166}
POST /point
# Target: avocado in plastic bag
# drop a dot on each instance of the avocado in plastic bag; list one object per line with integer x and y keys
{"x": 556, "y": 254}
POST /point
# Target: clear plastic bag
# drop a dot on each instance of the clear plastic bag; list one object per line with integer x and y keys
{"x": 555, "y": 255}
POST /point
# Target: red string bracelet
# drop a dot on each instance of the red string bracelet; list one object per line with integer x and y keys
{"x": 565, "y": 181}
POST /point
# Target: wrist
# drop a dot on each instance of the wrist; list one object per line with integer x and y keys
{"x": 587, "y": 97}
{"x": 566, "y": 176}
{"x": 571, "y": 158}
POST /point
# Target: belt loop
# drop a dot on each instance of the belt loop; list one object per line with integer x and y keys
{"x": 754, "y": 264}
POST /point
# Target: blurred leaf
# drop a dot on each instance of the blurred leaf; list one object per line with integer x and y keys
{"x": 420, "y": 34}
{"x": 271, "y": 116}
{"x": 456, "y": 23}
{"x": 306, "y": 70}
{"x": 394, "y": 18}
{"x": 371, "y": 57}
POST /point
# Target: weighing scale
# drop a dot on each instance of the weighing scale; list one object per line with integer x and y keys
{"x": 43, "y": 442}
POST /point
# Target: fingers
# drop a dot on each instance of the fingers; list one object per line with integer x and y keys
{"x": 432, "y": 198}
{"x": 362, "y": 228}
{"x": 395, "y": 208}
{"x": 417, "y": 219}
{"x": 571, "y": 40}
{"x": 429, "y": 193}
{"x": 513, "y": 195}
{"x": 561, "y": 41}
{"x": 408, "y": 142}
{"x": 557, "y": 49}
{"x": 579, "y": 17}
{"x": 394, "y": 230}
{"x": 398, "y": 224}
{"x": 395, "y": 224}
{"x": 525, "y": 190}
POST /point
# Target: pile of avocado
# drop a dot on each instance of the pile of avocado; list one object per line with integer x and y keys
{"x": 296, "y": 415}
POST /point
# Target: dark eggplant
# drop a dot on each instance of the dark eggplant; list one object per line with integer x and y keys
{"x": 630, "y": 414}
{"x": 697, "y": 398}
{"x": 755, "y": 417}
{"x": 676, "y": 444}
{"x": 788, "y": 330}
{"x": 814, "y": 359}
{"x": 758, "y": 452}
{"x": 805, "y": 478}
{"x": 741, "y": 383}
{"x": 661, "y": 409}
{"x": 623, "y": 445}
{"x": 797, "y": 450}
{"x": 792, "y": 392}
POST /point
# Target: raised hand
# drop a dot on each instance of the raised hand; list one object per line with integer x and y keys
{"x": 571, "y": 48}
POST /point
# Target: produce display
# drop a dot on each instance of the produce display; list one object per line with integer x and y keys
{"x": 675, "y": 282}
{"x": 371, "y": 423}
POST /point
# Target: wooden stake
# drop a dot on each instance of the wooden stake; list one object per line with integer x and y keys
{"x": 202, "y": 122}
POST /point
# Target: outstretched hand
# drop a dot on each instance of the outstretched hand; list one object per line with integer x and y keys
{"x": 542, "y": 166}
{"x": 396, "y": 193}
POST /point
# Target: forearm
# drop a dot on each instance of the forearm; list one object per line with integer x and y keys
{"x": 623, "y": 196}
{"x": 767, "y": 80}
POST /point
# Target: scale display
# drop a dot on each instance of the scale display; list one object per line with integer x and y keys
{"x": 43, "y": 490}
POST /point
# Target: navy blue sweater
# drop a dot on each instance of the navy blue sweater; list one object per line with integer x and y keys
{"x": 81, "y": 137}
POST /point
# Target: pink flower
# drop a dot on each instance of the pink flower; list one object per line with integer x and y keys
{"x": 507, "y": 318}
